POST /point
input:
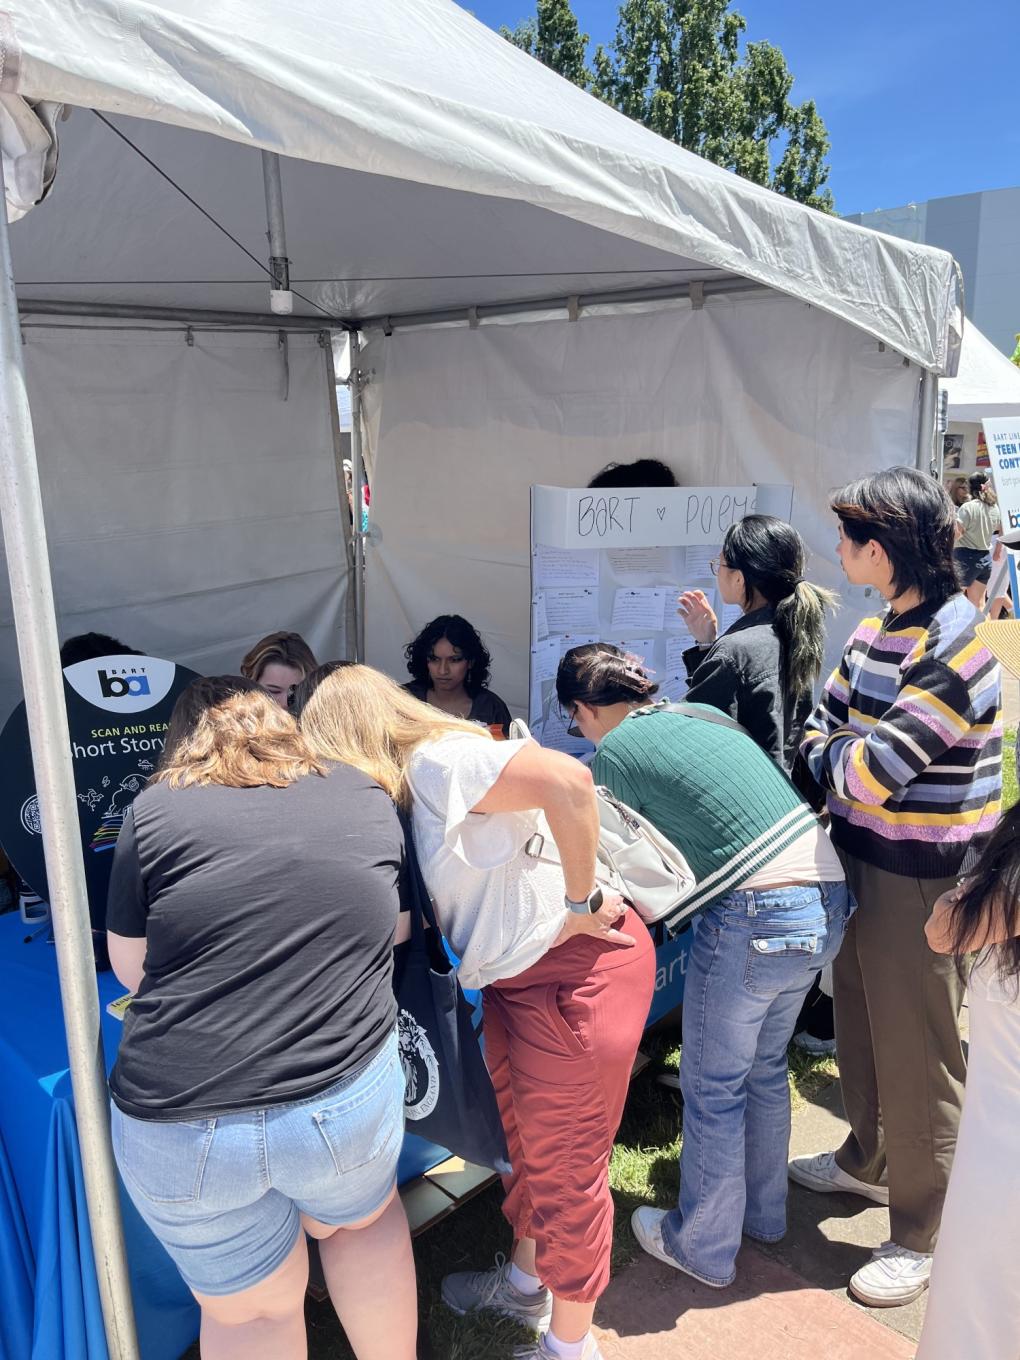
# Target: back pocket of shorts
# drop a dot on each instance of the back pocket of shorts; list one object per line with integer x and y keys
{"x": 775, "y": 962}
{"x": 164, "y": 1160}
{"x": 362, "y": 1126}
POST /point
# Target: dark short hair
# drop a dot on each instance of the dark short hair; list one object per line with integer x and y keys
{"x": 977, "y": 483}
{"x": 87, "y": 646}
{"x": 910, "y": 515}
{"x": 304, "y": 690}
{"x": 599, "y": 674}
{"x": 458, "y": 633}
{"x": 643, "y": 472}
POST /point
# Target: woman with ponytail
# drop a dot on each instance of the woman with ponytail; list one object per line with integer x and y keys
{"x": 762, "y": 670}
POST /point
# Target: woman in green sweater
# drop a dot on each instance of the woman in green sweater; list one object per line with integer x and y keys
{"x": 775, "y": 907}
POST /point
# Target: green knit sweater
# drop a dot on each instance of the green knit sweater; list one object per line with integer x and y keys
{"x": 711, "y": 790}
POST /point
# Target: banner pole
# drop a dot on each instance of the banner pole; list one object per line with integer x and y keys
{"x": 35, "y": 621}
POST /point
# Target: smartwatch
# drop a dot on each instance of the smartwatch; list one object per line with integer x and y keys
{"x": 588, "y": 905}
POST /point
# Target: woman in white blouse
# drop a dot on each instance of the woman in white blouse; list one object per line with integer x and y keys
{"x": 567, "y": 972}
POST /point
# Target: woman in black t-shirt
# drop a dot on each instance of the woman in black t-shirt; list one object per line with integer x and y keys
{"x": 258, "y": 1090}
{"x": 449, "y": 664}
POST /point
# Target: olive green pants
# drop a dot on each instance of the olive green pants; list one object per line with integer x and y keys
{"x": 901, "y": 1062}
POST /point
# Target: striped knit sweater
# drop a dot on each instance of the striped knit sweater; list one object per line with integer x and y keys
{"x": 907, "y": 741}
{"x": 710, "y": 790}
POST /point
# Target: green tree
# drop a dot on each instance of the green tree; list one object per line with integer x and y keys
{"x": 553, "y": 36}
{"x": 683, "y": 69}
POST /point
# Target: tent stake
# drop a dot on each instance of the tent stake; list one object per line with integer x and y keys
{"x": 35, "y": 621}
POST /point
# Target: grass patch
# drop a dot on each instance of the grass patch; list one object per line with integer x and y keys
{"x": 1010, "y": 792}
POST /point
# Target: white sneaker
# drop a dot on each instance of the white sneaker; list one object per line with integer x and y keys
{"x": 468, "y": 1291}
{"x": 646, "y": 1225}
{"x": 818, "y": 1048}
{"x": 894, "y": 1275}
{"x": 823, "y": 1174}
{"x": 540, "y": 1351}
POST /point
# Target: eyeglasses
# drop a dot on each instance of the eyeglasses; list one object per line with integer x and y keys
{"x": 569, "y": 718}
{"x": 717, "y": 564}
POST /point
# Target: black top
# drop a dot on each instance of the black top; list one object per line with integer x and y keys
{"x": 740, "y": 674}
{"x": 269, "y": 917}
{"x": 486, "y": 707}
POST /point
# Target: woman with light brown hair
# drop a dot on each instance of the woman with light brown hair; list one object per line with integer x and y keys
{"x": 258, "y": 1092}
{"x": 567, "y": 972}
{"x": 279, "y": 662}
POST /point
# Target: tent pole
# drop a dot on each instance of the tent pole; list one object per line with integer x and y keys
{"x": 279, "y": 265}
{"x": 35, "y": 621}
{"x": 358, "y": 482}
{"x": 927, "y": 409}
{"x": 346, "y": 514}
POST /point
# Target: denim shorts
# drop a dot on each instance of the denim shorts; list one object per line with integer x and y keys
{"x": 224, "y": 1196}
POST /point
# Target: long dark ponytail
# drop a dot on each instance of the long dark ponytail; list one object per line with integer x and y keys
{"x": 770, "y": 553}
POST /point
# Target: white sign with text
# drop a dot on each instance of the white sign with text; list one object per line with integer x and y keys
{"x": 637, "y": 517}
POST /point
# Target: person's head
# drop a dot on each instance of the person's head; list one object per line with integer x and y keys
{"x": 763, "y": 558}
{"x": 448, "y": 655}
{"x": 897, "y": 530}
{"x": 88, "y": 646}
{"x": 361, "y": 717}
{"x": 981, "y": 488}
{"x": 597, "y": 685}
{"x": 959, "y": 490}
{"x": 642, "y": 472}
{"x": 279, "y": 662}
{"x": 225, "y": 729}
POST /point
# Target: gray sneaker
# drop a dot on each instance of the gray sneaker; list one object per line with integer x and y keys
{"x": 540, "y": 1351}
{"x": 468, "y": 1291}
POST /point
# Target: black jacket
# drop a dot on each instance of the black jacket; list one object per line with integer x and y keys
{"x": 486, "y": 708}
{"x": 740, "y": 675}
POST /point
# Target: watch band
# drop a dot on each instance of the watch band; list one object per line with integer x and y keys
{"x": 588, "y": 905}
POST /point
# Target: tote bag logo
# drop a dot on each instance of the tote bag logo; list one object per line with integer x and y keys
{"x": 421, "y": 1071}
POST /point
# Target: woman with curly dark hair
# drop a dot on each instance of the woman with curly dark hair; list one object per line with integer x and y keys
{"x": 449, "y": 666}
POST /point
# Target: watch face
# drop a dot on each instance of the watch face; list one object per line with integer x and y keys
{"x": 595, "y": 901}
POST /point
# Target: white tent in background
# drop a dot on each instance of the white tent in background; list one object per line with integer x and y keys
{"x": 986, "y": 386}
{"x": 539, "y": 285}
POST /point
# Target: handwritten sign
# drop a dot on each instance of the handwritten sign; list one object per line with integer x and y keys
{"x": 641, "y": 517}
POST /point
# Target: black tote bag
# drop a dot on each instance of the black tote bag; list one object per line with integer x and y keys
{"x": 448, "y": 1097}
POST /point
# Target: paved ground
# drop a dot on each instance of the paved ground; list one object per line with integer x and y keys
{"x": 790, "y": 1301}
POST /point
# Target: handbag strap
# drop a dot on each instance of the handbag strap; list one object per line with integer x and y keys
{"x": 703, "y": 712}
{"x": 423, "y": 913}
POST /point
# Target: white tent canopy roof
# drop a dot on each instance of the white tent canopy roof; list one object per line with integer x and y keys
{"x": 987, "y": 385}
{"x": 432, "y": 165}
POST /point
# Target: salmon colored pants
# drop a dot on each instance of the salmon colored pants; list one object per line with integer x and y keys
{"x": 560, "y": 1040}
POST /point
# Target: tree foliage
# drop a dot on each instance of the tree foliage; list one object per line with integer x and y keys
{"x": 684, "y": 69}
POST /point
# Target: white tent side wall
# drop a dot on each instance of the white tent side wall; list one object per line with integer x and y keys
{"x": 461, "y": 422}
{"x": 191, "y": 495}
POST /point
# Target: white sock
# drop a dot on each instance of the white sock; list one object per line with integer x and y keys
{"x": 523, "y": 1282}
{"x": 566, "y": 1350}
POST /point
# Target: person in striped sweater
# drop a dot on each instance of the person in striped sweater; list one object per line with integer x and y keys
{"x": 906, "y": 744}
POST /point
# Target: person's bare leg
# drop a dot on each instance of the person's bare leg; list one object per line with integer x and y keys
{"x": 524, "y": 1255}
{"x": 571, "y": 1321}
{"x": 369, "y": 1269}
{"x": 975, "y": 592}
{"x": 266, "y": 1322}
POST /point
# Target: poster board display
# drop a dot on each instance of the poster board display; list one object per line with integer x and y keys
{"x": 118, "y": 708}
{"x": 608, "y": 566}
{"x": 1002, "y": 438}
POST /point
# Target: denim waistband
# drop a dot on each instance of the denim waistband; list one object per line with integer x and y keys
{"x": 750, "y": 902}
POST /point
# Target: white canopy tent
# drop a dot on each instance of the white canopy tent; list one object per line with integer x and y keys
{"x": 542, "y": 285}
{"x": 986, "y": 386}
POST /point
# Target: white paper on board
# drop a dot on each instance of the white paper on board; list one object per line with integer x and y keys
{"x": 674, "y": 688}
{"x": 642, "y": 648}
{"x": 699, "y": 561}
{"x": 565, "y": 566}
{"x": 675, "y": 621}
{"x": 556, "y": 737}
{"x": 539, "y": 617}
{"x": 625, "y": 562}
{"x": 545, "y": 657}
{"x": 728, "y": 615}
{"x": 641, "y": 608}
{"x": 675, "y": 648}
{"x": 568, "y": 641}
{"x": 572, "y": 611}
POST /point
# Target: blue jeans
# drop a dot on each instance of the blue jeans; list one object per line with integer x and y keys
{"x": 225, "y": 1195}
{"x": 752, "y": 962}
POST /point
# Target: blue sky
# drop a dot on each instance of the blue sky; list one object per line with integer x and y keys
{"x": 921, "y": 100}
